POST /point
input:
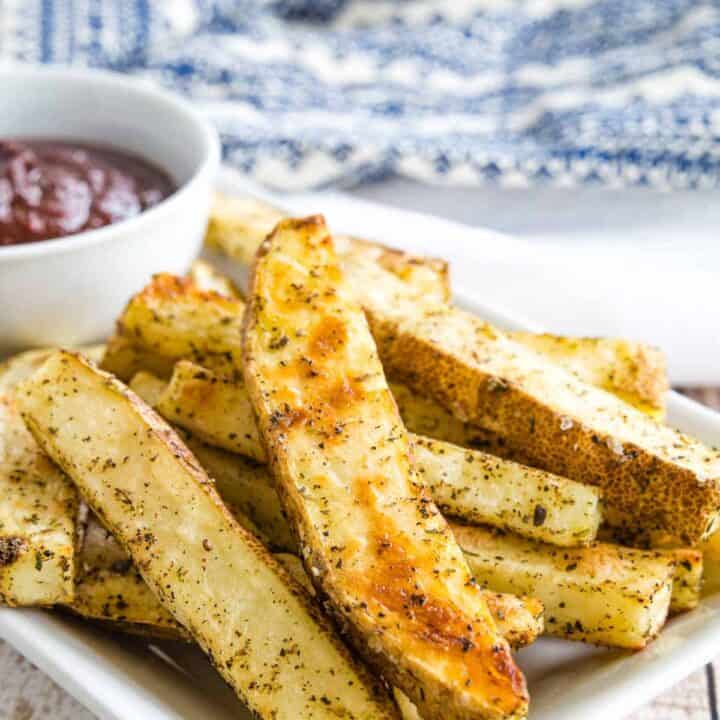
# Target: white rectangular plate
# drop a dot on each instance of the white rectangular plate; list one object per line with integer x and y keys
{"x": 122, "y": 678}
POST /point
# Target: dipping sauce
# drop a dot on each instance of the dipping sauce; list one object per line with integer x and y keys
{"x": 50, "y": 189}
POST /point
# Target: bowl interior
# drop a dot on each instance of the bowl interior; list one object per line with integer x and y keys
{"x": 104, "y": 109}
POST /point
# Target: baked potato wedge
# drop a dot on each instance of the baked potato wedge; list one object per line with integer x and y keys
{"x": 688, "y": 579}
{"x": 38, "y": 503}
{"x": 239, "y": 224}
{"x": 603, "y": 594}
{"x": 215, "y": 409}
{"x": 711, "y": 564}
{"x": 375, "y": 547}
{"x": 635, "y": 372}
{"x": 259, "y": 628}
{"x": 483, "y": 489}
{"x": 38, "y": 510}
{"x": 172, "y": 318}
{"x": 652, "y": 476}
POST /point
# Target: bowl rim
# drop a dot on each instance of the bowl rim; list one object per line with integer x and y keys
{"x": 208, "y": 166}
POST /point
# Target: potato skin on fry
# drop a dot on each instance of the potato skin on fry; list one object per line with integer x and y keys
{"x": 652, "y": 476}
{"x": 216, "y": 578}
{"x": 372, "y": 543}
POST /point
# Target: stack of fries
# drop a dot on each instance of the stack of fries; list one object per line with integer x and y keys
{"x": 355, "y": 497}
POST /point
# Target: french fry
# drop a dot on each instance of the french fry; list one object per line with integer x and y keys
{"x": 604, "y": 594}
{"x": 217, "y": 580}
{"x": 711, "y": 564}
{"x": 215, "y": 409}
{"x": 38, "y": 504}
{"x": 633, "y": 371}
{"x": 37, "y": 519}
{"x": 484, "y": 489}
{"x": 688, "y": 579}
{"x": 238, "y": 224}
{"x": 172, "y": 318}
{"x": 372, "y": 543}
{"x": 652, "y": 476}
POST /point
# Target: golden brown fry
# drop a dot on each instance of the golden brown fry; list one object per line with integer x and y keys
{"x": 217, "y": 580}
{"x": 215, "y": 409}
{"x": 172, "y": 318}
{"x": 603, "y": 594}
{"x": 372, "y": 543}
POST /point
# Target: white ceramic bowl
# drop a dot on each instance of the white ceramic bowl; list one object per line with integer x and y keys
{"x": 69, "y": 291}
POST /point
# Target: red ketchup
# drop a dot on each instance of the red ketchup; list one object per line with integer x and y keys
{"x": 50, "y": 189}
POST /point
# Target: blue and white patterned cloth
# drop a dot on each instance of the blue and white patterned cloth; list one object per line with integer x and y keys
{"x": 316, "y": 93}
